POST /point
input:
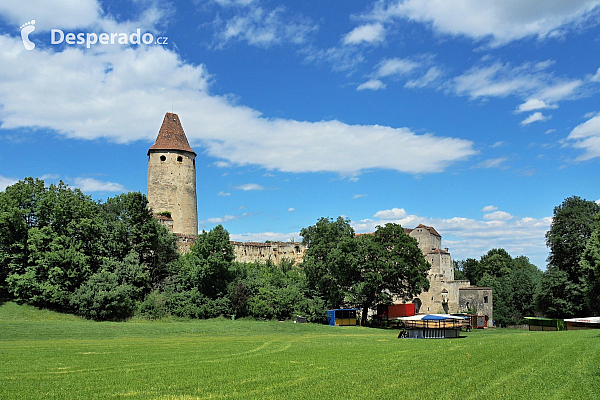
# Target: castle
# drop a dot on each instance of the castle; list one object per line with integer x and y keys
{"x": 172, "y": 197}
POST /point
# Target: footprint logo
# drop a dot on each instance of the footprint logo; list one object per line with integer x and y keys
{"x": 26, "y": 29}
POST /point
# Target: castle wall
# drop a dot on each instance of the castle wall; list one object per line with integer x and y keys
{"x": 275, "y": 252}
{"x": 172, "y": 187}
{"x": 480, "y": 298}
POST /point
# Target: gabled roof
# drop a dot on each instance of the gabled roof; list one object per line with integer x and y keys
{"x": 430, "y": 229}
{"x": 171, "y": 136}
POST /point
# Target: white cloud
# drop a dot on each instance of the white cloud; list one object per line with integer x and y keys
{"x": 396, "y": 67}
{"x": 4, "y": 182}
{"x": 99, "y": 83}
{"x": 369, "y": 33}
{"x": 491, "y": 163}
{"x": 526, "y": 80}
{"x": 432, "y": 76}
{"x": 471, "y": 238}
{"x": 394, "y": 213}
{"x": 358, "y": 196}
{"x": 263, "y": 28}
{"x": 219, "y": 220}
{"x": 291, "y": 209}
{"x": 489, "y": 208}
{"x": 586, "y": 136}
{"x": 534, "y": 104}
{"x": 498, "y": 216}
{"x": 250, "y": 186}
{"x": 341, "y": 58}
{"x": 496, "y": 22}
{"x": 94, "y": 185}
{"x": 372, "y": 84}
{"x": 224, "y": 194}
{"x": 535, "y": 117}
{"x": 264, "y": 236}
{"x": 66, "y": 14}
{"x": 77, "y": 106}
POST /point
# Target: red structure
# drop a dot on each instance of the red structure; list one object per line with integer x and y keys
{"x": 394, "y": 311}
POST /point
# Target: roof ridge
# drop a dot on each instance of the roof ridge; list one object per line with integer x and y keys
{"x": 171, "y": 135}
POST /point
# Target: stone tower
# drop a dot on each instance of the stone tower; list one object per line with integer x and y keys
{"x": 172, "y": 176}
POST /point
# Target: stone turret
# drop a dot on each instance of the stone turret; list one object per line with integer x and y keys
{"x": 172, "y": 177}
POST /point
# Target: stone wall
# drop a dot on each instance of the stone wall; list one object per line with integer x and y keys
{"x": 480, "y": 298}
{"x": 269, "y": 251}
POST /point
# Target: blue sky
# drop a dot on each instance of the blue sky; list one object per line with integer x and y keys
{"x": 475, "y": 117}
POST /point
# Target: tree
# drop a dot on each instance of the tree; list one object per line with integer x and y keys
{"x": 329, "y": 261}
{"x": 59, "y": 245}
{"x": 571, "y": 228}
{"x": 590, "y": 265}
{"x": 524, "y": 281}
{"x": 131, "y": 227}
{"x": 470, "y": 270}
{"x": 557, "y": 296}
{"x": 390, "y": 266}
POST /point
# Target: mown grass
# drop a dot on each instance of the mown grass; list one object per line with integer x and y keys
{"x": 52, "y": 356}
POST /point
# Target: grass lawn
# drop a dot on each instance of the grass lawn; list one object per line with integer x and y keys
{"x": 45, "y": 355}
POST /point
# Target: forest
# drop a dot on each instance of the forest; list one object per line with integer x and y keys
{"x": 61, "y": 250}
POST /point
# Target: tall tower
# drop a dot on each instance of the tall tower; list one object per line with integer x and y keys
{"x": 172, "y": 176}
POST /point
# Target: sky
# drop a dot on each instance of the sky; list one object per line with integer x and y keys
{"x": 475, "y": 117}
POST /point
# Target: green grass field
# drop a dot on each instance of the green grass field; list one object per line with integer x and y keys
{"x": 45, "y": 355}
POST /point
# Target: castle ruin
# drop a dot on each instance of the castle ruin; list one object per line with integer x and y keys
{"x": 172, "y": 197}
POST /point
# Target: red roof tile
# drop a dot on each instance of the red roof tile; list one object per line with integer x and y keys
{"x": 171, "y": 136}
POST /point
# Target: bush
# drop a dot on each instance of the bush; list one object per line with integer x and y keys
{"x": 193, "y": 304}
{"x": 102, "y": 298}
{"x": 154, "y": 306}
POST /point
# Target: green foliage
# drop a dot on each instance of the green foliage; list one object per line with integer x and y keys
{"x": 102, "y": 298}
{"x": 329, "y": 261}
{"x": 514, "y": 281}
{"x": 154, "y": 306}
{"x": 590, "y": 266}
{"x": 207, "y": 266}
{"x": 57, "y": 246}
{"x": 572, "y": 227}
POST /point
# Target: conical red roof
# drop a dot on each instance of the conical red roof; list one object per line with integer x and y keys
{"x": 171, "y": 136}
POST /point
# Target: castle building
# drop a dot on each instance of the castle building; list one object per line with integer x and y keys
{"x": 447, "y": 295}
{"x": 172, "y": 178}
{"x": 172, "y": 198}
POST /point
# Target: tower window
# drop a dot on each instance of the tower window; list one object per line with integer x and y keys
{"x": 163, "y": 158}
{"x": 179, "y": 159}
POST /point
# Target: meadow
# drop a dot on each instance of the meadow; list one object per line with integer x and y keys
{"x": 46, "y": 355}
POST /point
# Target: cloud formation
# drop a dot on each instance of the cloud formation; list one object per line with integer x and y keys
{"x": 493, "y": 22}
{"x": 93, "y": 97}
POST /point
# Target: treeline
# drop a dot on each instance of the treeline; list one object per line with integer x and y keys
{"x": 61, "y": 250}
{"x": 570, "y": 285}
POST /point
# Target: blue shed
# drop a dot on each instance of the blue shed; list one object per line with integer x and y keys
{"x": 342, "y": 317}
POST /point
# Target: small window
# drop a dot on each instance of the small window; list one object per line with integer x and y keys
{"x": 179, "y": 159}
{"x": 485, "y": 299}
{"x": 163, "y": 158}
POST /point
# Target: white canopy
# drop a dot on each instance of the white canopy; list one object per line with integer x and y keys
{"x": 588, "y": 320}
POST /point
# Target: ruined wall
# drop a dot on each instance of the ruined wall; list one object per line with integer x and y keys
{"x": 480, "y": 298}
{"x": 172, "y": 187}
{"x": 273, "y": 251}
